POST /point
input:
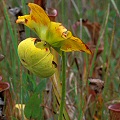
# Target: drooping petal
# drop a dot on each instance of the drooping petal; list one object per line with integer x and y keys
{"x": 74, "y": 44}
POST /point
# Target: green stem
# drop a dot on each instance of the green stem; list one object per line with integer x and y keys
{"x": 63, "y": 85}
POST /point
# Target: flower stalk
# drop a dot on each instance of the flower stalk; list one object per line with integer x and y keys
{"x": 62, "y": 103}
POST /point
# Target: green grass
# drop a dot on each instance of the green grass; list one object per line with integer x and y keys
{"x": 107, "y": 15}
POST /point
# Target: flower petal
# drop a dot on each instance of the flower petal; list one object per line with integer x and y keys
{"x": 38, "y": 14}
{"x": 56, "y": 33}
{"x": 38, "y": 20}
{"x": 74, "y": 44}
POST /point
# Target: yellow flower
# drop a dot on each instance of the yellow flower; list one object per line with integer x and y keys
{"x": 55, "y": 34}
{"x": 17, "y": 111}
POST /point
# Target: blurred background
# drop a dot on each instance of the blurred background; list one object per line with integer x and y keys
{"x": 93, "y": 81}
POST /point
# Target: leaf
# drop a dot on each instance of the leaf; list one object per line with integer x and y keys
{"x": 32, "y": 108}
{"x": 93, "y": 28}
{"x": 41, "y": 86}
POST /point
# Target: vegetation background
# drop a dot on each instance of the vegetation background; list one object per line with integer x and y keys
{"x": 97, "y": 23}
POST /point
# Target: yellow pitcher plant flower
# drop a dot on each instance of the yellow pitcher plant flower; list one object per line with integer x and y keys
{"x": 54, "y": 33}
{"x": 35, "y": 54}
{"x": 18, "y": 108}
